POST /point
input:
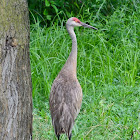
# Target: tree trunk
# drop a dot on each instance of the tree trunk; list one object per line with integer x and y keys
{"x": 15, "y": 74}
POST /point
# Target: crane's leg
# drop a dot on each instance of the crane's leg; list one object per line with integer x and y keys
{"x": 70, "y": 136}
{"x": 58, "y": 136}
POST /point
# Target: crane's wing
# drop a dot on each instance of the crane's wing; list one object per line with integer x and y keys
{"x": 65, "y": 102}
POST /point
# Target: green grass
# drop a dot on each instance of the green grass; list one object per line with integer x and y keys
{"x": 108, "y": 70}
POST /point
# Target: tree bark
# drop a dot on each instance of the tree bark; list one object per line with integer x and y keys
{"x": 15, "y": 74}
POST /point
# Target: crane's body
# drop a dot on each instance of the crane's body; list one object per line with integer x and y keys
{"x": 66, "y": 92}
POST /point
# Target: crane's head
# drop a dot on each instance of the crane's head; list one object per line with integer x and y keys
{"x": 73, "y": 21}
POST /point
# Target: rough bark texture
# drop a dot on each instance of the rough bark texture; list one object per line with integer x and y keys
{"x": 15, "y": 75}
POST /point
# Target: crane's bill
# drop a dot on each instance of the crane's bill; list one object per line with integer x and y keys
{"x": 88, "y": 26}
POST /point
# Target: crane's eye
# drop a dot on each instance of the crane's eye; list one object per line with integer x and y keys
{"x": 77, "y": 21}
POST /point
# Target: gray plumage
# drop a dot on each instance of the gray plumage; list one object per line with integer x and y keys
{"x": 66, "y": 93}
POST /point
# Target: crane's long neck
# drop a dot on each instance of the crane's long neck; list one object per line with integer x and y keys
{"x": 71, "y": 63}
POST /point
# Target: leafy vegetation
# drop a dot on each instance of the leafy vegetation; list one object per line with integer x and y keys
{"x": 48, "y": 11}
{"x": 108, "y": 71}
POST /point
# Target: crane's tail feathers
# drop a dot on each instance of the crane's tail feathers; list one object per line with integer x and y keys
{"x": 63, "y": 120}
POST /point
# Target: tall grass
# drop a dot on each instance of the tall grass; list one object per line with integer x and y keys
{"x": 108, "y": 69}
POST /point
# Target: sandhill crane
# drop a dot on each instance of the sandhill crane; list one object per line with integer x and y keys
{"x": 66, "y": 93}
